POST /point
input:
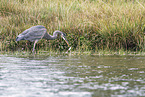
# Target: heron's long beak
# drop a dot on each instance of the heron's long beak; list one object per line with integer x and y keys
{"x": 66, "y": 41}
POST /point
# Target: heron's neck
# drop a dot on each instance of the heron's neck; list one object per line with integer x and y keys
{"x": 50, "y": 37}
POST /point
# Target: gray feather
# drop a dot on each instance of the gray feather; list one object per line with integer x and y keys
{"x": 32, "y": 34}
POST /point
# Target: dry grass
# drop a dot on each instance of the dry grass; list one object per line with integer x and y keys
{"x": 89, "y": 24}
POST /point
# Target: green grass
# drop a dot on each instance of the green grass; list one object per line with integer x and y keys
{"x": 90, "y": 25}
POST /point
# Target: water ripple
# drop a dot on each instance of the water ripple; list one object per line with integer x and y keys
{"x": 81, "y": 76}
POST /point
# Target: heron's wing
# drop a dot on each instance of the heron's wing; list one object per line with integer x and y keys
{"x": 34, "y": 34}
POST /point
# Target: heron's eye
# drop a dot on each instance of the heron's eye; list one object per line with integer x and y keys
{"x": 64, "y": 34}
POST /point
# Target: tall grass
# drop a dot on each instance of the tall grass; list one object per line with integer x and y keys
{"x": 89, "y": 24}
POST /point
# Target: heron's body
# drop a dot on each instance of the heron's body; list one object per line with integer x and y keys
{"x": 35, "y": 33}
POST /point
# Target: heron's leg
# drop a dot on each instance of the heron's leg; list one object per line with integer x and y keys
{"x": 34, "y": 45}
{"x": 27, "y": 46}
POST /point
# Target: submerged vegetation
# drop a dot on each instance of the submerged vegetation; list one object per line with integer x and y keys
{"x": 90, "y": 25}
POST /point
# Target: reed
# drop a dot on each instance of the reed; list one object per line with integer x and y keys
{"x": 90, "y": 25}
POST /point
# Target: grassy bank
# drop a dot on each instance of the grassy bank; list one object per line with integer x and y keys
{"x": 90, "y": 25}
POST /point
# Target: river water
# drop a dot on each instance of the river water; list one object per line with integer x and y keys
{"x": 72, "y": 76}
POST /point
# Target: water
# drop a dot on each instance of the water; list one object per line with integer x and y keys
{"x": 72, "y": 76}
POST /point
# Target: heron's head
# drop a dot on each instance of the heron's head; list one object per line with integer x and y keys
{"x": 63, "y": 35}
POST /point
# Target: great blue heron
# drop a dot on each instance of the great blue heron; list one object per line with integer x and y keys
{"x": 35, "y": 33}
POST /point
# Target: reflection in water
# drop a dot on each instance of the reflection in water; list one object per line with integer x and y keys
{"x": 72, "y": 76}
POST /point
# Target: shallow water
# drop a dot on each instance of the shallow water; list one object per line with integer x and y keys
{"x": 72, "y": 76}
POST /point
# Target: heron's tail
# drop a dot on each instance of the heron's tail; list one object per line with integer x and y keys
{"x": 19, "y": 38}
